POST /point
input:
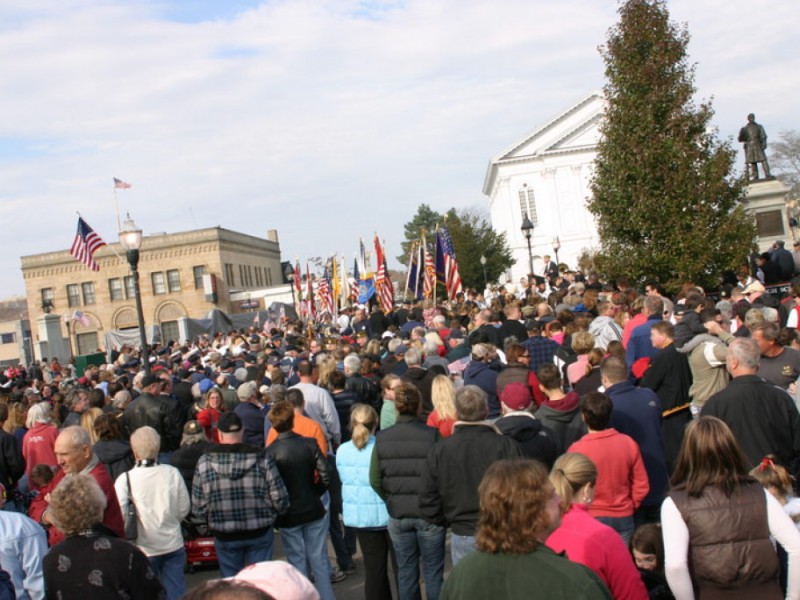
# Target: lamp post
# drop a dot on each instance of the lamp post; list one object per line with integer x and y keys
{"x": 527, "y": 230}
{"x": 289, "y": 273}
{"x": 130, "y": 237}
{"x": 483, "y": 264}
{"x": 556, "y": 248}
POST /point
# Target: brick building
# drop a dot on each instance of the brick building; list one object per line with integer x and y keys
{"x": 181, "y": 275}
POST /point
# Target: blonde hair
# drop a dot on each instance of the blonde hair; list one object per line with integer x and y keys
{"x": 570, "y": 473}
{"x": 363, "y": 421}
{"x": 326, "y": 368}
{"x": 87, "y": 422}
{"x": 443, "y": 395}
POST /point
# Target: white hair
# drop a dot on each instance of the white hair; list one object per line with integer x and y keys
{"x": 352, "y": 364}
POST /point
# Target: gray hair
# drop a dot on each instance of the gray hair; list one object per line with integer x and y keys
{"x": 725, "y": 308}
{"x": 413, "y": 356}
{"x": 38, "y": 413}
{"x": 77, "y": 503}
{"x": 121, "y": 399}
{"x": 77, "y": 436}
{"x": 393, "y": 344}
{"x": 746, "y": 352}
{"x": 753, "y": 316}
{"x": 430, "y": 348}
{"x": 352, "y": 364}
{"x": 471, "y": 404}
{"x": 770, "y": 314}
{"x": 277, "y": 392}
{"x": 145, "y": 443}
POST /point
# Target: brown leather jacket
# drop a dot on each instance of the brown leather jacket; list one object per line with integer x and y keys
{"x": 729, "y": 538}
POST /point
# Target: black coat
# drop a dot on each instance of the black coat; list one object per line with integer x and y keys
{"x": 536, "y": 440}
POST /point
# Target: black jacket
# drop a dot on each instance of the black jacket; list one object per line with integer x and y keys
{"x": 162, "y": 413}
{"x": 116, "y": 455}
{"x": 367, "y": 390}
{"x": 397, "y": 464}
{"x": 453, "y": 471}
{"x": 536, "y": 440}
{"x": 297, "y": 459}
{"x": 185, "y": 459}
{"x": 12, "y": 465}
{"x": 422, "y": 379}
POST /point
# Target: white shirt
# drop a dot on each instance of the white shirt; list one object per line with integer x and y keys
{"x": 676, "y": 547}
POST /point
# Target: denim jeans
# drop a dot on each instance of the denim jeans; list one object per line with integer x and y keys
{"x": 308, "y": 544}
{"x": 169, "y": 568}
{"x": 460, "y": 546}
{"x": 624, "y": 526}
{"x": 235, "y": 555}
{"x": 415, "y": 539}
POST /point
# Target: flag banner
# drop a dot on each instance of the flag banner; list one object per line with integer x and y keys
{"x": 446, "y": 265}
{"x": 121, "y": 185}
{"x": 312, "y": 311}
{"x": 297, "y": 284}
{"x": 354, "y": 292}
{"x": 81, "y": 318}
{"x": 429, "y": 275}
{"x": 383, "y": 282}
{"x": 366, "y": 290}
{"x": 324, "y": 293}
{"x": 412, "y": 283}
{"x": 85, "y": 244}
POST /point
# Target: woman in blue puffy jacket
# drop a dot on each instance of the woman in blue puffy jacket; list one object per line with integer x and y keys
{"x": 364, "y": 510}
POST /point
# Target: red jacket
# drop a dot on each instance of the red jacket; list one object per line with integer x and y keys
{"x": 38, "y": 446}
{"x": 622, "y": 481}
{"x": 112, "y": 517}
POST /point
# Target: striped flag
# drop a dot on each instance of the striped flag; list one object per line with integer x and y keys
{"x": 81, "y": 318}
{"x": 121, "y": 185}
{"x": 383, "y": 282}
{"x": 429, "y": 276}
{"x": 85, "y": 244}
{"x": 357, "y": 279}
{"x": 446, "y": 265}
{"x": 298, "y": 286}
{"x": 324, "y": 293}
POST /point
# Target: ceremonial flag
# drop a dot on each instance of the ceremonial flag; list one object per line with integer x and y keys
{"x": 85, "y": 244}
{"x": 357, "y": 279}
{"x": 81, "y": 318}
{"x": 363, "y": 256}
{"x": 312, "y": 311}
{"x": 412, "y": 282}
{"x": 429, "y": 277}
{"x": 324, "y": 291}
{"x": 121, "y": 185}
{"x": 383, "y": 283}
{"x": 446, "y": 265}
{"x": 298, "y": 286}
{"x": 336, "y": 286}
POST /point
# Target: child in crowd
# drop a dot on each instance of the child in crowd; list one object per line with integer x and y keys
{"x": 777, "y": 481}
{"x": 41, "y": 476}
{"x": 647, "y": 549}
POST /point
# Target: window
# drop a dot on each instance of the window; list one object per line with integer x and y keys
{"x": 174, "y": 280}
{"x": 115, "y": 289}
{"x": 48, "y": 297}
{"x": 73, "y": 295}
{"x": 229, "y": 275}
{"x": 197, "y": 273}
{"x": 527, "y": 204}
{"x": 7, "y": 338}
{"x": 170, "y": 331}
{"x": 88, "y": 292}
{"x": 159, "y": 283}
{"x": 129, "y": 287}
{"x": 87, "y": 343}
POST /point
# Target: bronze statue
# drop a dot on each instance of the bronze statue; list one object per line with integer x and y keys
{"x": 755, "y": 142}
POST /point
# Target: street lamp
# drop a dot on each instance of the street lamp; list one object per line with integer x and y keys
{"x": 130, "y": 237}
{"x": 556, "y": 248}
{"x": 527, "y": 230}
{"x": 289, "y": 273}
{"x": 483, "y": 264}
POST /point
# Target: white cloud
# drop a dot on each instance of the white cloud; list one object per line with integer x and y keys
{"x": 327, "y": 120}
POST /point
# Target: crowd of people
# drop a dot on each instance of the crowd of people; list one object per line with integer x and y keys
{"x": 569, "y": 436}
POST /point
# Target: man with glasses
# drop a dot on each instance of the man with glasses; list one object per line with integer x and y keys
{"x": 73, "y": 450}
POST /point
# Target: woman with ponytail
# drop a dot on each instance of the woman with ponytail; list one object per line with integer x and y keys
{"x": 364, "y": 510}
{"x": 585, "y": 539}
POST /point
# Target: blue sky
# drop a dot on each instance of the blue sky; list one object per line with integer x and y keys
{"x": 324, "y": 119}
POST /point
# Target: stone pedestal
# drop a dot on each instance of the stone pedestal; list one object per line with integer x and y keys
{"x": 765, "y": 200}
{"x": 52, "y": 343}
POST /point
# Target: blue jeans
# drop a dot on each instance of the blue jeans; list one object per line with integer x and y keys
{"x": 169, "y": 568}
{"x": 624, "y": 526}
{"x": 460, "y": 546}
{"x": 414, "y": 539}
{"x": 308, "y": 543}
{"x": 235, "y": 555}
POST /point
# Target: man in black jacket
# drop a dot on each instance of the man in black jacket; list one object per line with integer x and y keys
{"x": 455, "y": 467}
{"x": 397, "y": 465}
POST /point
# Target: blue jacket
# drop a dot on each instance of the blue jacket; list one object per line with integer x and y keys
{"x": 362, "y": 506}
{"x": 637, "y": 413}
{"x": 639, "y": 344}
{"x": 480, "y": 374}
{"x": 23, "y": 544}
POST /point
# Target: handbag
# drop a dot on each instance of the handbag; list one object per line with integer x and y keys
{"x": 131, "y": 522}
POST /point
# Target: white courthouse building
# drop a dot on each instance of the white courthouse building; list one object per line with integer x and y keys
{"x": 547, "y": 175}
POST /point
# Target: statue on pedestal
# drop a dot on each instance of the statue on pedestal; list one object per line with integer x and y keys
{"x": 755, "y": 142}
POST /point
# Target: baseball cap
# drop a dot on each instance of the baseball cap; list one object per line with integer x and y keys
{"x": 229, "y": 422}
{"x": 516, "y": 396}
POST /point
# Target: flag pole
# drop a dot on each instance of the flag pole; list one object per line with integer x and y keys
{"x": 408, "y": 270}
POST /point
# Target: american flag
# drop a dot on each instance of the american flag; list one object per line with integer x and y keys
{"x": 85, "y": 244}
{"x": 429, "y": 277}
{"x": 81, "y": 318}
{"x": 121, "y": 185}
{"x": 446, "y": 265}
{"x": 297, "y": 285}
{"x": 324, "y": 293}
{"x": 357, "y": 279}
{"x": 383, "y": 282}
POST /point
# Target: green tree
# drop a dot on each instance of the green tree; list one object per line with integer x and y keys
{"x": 474, "y": 237}
{"x": 666, "y": 200}
{"x": 425, "y": 218}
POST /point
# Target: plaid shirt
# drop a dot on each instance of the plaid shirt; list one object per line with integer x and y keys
{"x": 541, "y": 349}
{"x": 237, "y": 488}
